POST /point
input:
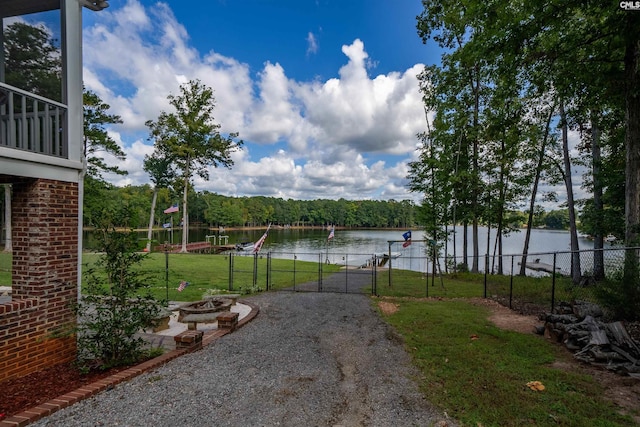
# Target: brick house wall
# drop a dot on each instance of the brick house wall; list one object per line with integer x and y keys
{"x": 44, "y": 277}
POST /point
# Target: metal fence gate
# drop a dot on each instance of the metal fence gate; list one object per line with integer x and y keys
{"x": 355, "y": 274}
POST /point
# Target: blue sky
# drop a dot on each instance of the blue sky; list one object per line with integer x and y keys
{"x": 323, "y": 93}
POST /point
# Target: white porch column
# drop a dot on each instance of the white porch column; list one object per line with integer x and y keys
{"x": 71, "y": 17}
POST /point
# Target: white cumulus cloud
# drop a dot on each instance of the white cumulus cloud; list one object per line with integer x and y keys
{"x": 303, "y": 139}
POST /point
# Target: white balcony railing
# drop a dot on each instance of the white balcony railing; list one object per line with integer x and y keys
{"x": 32, "y": 123}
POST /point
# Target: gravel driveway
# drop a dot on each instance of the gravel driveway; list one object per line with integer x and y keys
{"x": 308, "y": 359}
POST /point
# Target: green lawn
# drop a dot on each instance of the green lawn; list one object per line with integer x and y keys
{"x": 529, "y": 290}
{"x": 211, "y": 273}
{"x": 482, "y": 381}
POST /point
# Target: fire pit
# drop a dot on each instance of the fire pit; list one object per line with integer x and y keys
{"x": 204, "y": 311}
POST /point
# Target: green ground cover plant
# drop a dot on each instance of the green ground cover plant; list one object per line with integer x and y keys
{"x": 478, "y": 373}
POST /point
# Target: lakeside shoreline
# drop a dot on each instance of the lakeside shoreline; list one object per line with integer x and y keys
{"x": 263, "y": 227}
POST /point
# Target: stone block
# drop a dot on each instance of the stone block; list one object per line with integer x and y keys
{"x": 228, "y": 320}
{"x": 191, "y": 340}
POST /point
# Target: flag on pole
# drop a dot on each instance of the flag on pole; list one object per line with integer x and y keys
{"x": 166, "y": 225}
{"x": 260, "y": 242}
{"x": 331, "y": 234}
{"x": 407, "y": 239}
{"x": 172, "y": 209}
{"x": 182, "y": 285}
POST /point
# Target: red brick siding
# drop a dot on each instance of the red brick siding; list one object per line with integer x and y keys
{"x": 45, "y": 270}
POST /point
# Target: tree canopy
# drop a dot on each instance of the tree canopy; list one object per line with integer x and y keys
{"x": 514, "y": 81}
{"x": 191, "y": 138}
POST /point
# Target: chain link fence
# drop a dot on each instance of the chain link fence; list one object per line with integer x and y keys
{"x": 530, "y": 283}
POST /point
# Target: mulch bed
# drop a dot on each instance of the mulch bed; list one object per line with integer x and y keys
{"x": 20, "y": 394}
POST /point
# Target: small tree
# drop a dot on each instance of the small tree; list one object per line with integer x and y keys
{"x": 191, "y": 138}
{"x": 116, "y": 304}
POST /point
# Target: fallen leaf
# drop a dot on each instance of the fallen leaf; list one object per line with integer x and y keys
{"x": 474, "y": 337}
{"x": 535, "y": 385}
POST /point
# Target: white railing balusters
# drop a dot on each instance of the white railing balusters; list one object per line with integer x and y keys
{"x": 32, "y": 123}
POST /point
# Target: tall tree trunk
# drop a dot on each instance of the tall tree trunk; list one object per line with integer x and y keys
{"x": 8, "y": 245}
{"x": 151, "y": 217}
{"x": 476, "y": 173}
{"x": 534, "y": 194}
{"x": 575, "y": 255}
{"x": 501, "y": 202}
{"x": 598, "y": 236}
{"x": 632, "y": 144}
{"x": 498, "y": 242}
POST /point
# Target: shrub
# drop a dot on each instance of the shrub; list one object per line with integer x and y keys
{"x": 620, "y": 297}
{"x": 116, "y": 304}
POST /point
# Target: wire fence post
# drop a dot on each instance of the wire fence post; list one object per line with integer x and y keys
{"x": 320, "y": 272}
{"x": 268, "y": 285}
{"x": 255, "y": 269}
{"x": 294, "y": 271}
{"x": 390, "y": 263}
{"x": 231, "y": 272}
{"x": 486, "y": 269}
{"x": 166, "y": 269}
{"x": 553, "y": 282}
{"x": 511, "y": 284}
{"x": 374, "y": 280}
{"x": 346, "y": 273}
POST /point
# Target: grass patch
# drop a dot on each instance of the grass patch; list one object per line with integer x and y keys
{"x": 527, "y": 290}
{"x": 483, "y": 381}
{"x": 5, "y": 269}
{"x": 217, "y": 273}
{"x": 210, "y": 272}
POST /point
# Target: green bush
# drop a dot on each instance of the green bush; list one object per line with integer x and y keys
{"x": 619, "y": 297}
{"x": 116, "y": 304}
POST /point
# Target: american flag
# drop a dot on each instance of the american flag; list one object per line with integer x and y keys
{"x": 331, "y": 234}
{"x": 407, "y": 239}
{"x": 172, "y": 209}
{"x": 182, "y": 285}
{"x": 260, "y": 242}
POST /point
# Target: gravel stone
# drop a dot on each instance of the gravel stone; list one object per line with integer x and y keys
{"x": 308, "y": 359}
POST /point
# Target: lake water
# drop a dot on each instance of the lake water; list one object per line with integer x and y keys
{"x": 355, "y": 247}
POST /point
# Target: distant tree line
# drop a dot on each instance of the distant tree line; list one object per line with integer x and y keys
{"x": 129, "y": 207}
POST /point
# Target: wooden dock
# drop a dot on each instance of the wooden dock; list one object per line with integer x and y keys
{"x": 540, "y": 266}
{"x": 201, "y": 247}
{"x": 196, "y": 247}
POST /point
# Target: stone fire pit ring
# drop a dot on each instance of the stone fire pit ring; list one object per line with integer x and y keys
{"x": 204, "y": 311}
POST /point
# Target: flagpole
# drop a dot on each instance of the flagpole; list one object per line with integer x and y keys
{"x": 327, "y": 250}
{"x": 331, "y": 233}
